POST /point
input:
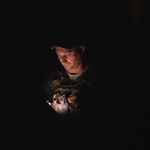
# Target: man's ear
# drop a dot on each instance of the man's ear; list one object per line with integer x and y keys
{"x": 82, "y": 49}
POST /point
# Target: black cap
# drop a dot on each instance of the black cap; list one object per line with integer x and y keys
{"x": 66, "y": 41}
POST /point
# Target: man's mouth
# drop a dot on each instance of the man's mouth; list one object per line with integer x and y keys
{"x": 66, "y": 65}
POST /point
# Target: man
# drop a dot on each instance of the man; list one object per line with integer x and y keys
{"x": 69, "y": 90}
{"x": 77, "y": 92}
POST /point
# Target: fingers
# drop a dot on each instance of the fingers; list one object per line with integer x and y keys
{"x": 58, "y": 107}
{"x": 59, "y": 98}
{"x": 49, "y": 103}
{"x": 52, "y": 105}
{"x": 59, "y": 103}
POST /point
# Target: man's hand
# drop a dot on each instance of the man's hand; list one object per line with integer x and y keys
{"x": 72, "y": 99}
{"x": 59, "y": 104}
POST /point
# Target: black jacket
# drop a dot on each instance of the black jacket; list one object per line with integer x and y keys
{"x": 94, "y": 96}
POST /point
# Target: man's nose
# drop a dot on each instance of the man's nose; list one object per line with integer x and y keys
{"x": 63, "y": 59}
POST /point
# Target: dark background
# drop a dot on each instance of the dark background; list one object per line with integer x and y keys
{"x": 116, "y": 32}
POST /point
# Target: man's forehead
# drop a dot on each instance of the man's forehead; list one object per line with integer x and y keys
{"x": 62, "y": 49}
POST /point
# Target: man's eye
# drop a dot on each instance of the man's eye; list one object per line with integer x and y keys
{"x": 69, "y": 53}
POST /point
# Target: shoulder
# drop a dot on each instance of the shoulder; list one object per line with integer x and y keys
{"x": 97, "y": 73}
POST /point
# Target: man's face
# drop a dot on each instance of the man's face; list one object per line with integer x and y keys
{"x": 69, "y": 58}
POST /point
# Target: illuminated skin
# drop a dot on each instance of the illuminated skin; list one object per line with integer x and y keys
{"x": 72, "y": 63}
{"x": 70, "y": 59}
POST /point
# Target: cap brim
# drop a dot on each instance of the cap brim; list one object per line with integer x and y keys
{"x": 53, "y": 47}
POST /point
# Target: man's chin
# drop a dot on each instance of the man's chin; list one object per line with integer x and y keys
{"x": 66, "y": 66}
